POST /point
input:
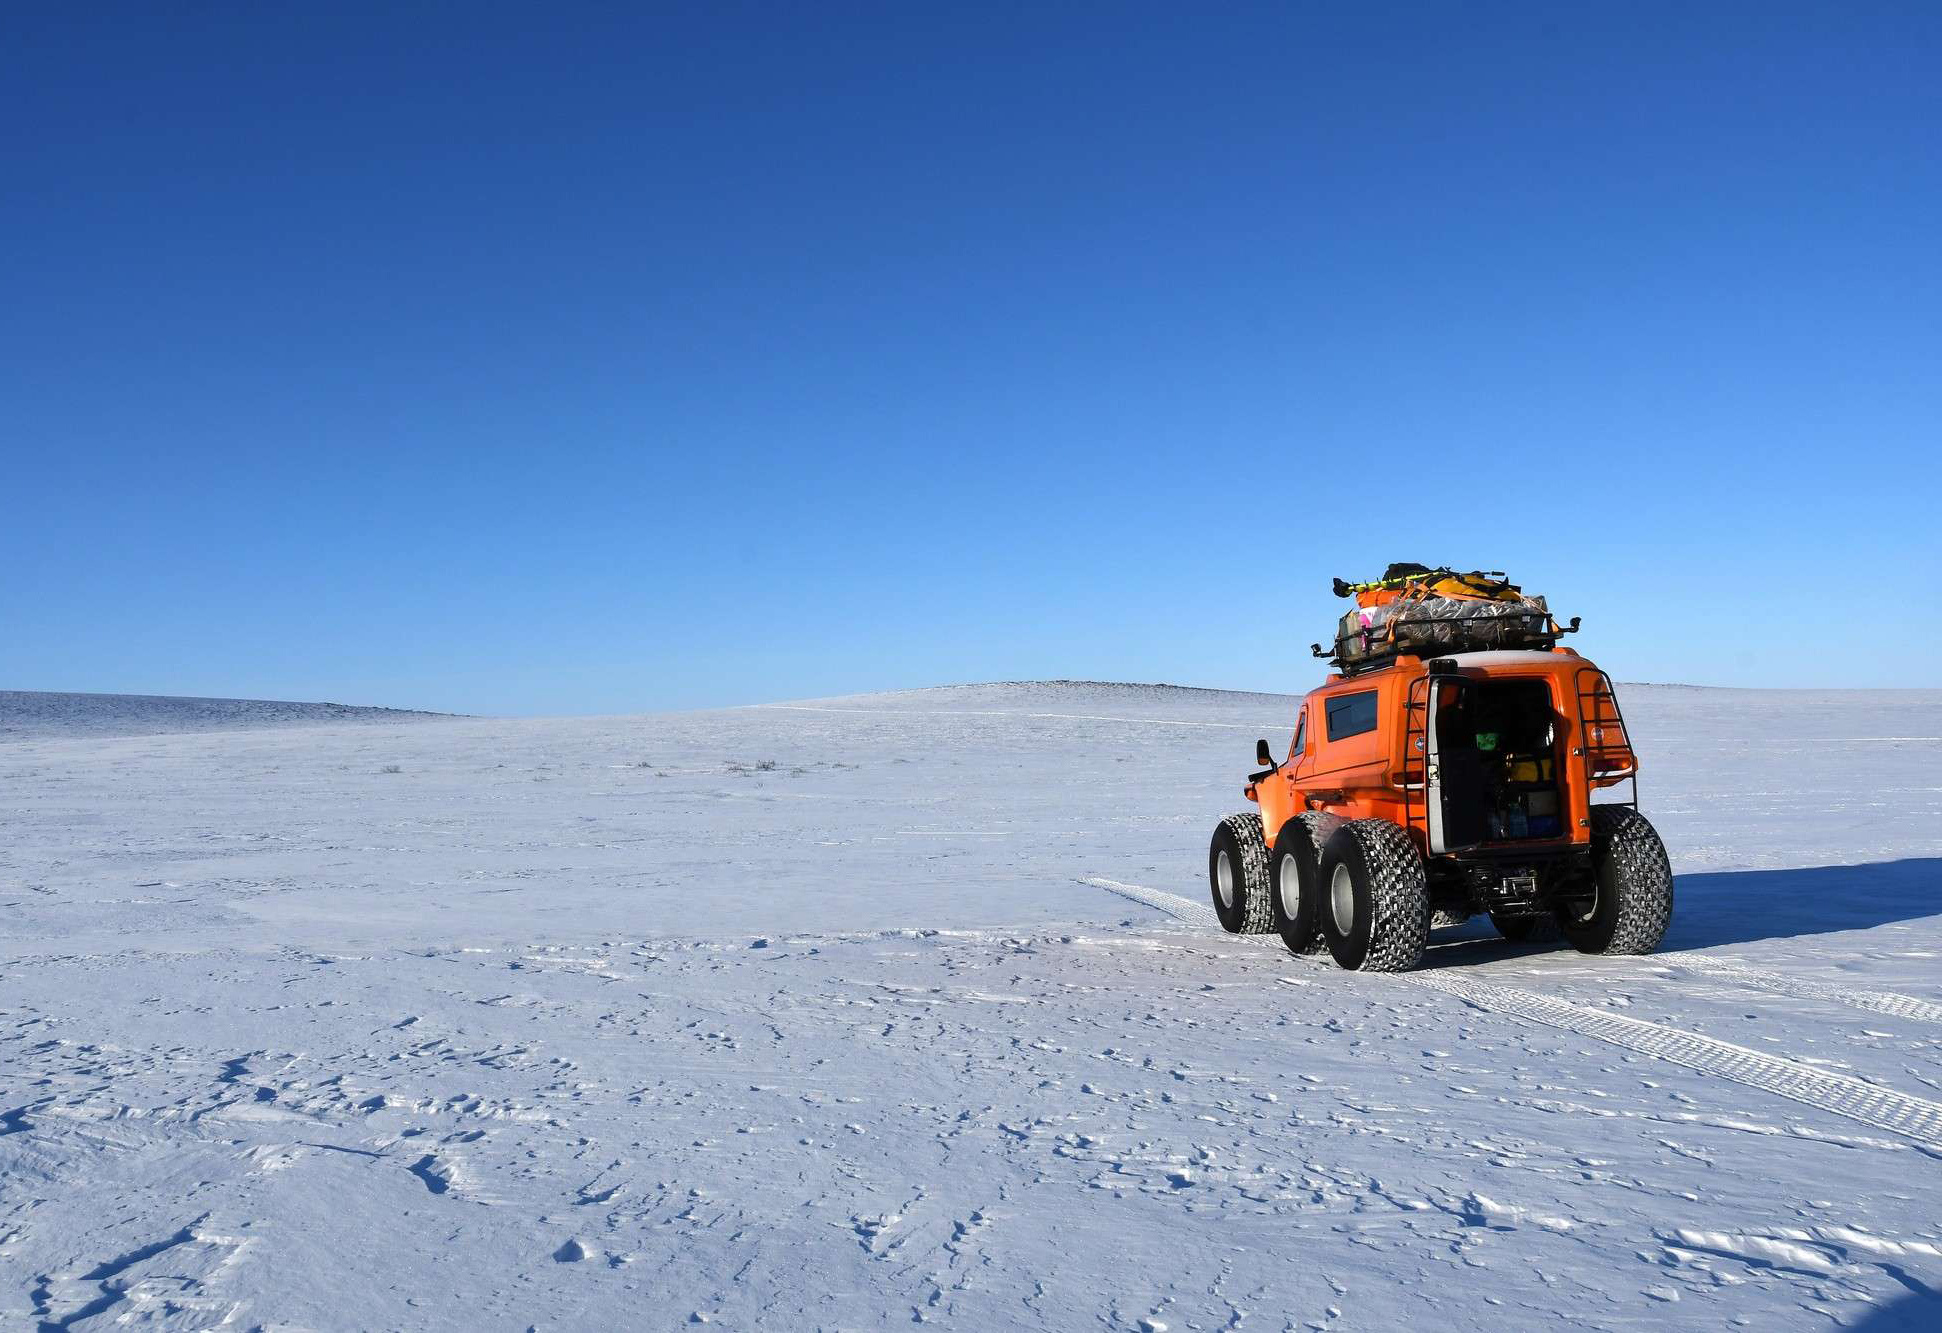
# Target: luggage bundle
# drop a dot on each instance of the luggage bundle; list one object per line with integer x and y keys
{"x": 1427, "y": 612}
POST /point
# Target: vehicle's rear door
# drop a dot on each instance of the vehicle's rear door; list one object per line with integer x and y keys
{"x": 1454, "y": 778}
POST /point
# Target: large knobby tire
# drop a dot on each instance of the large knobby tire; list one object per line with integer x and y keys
{"x": 1631, "y": 885}
{"x": 1237, "y": 872}
{"x": 1374, "y": 902}
{"x": 1526, "y": 929}
{"x": 1292, "y": 875}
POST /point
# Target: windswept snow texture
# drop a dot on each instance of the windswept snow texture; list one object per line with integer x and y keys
{"x": 39, "y": 713}
{"x": 907, "y": 1009}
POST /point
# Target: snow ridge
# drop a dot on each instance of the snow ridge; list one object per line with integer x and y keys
{"x": 1181, "y": 909}
{"x": 33, "y": 714}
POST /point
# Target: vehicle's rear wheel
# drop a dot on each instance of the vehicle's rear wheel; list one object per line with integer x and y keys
{"x": 1629, "y": 897}
{"x": 1374, "y": 902}
{"x": 1526, "y": 929}
{"x": 1292, "y": 874}
{"x": 1237, "y": 867}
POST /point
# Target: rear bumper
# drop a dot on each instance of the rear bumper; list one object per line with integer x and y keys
{"x": 1514, "y": 879}
{"x": 1528, "y": 852}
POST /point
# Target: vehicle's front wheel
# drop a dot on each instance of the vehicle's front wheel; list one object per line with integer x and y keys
{"x": 1628, "y": 901}
{"x": 1237, "y": 868}
{"x": 1374, "y": 900}
{"x": 1293, "y": 875}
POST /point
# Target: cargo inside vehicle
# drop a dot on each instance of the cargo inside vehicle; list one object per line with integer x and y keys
{"x": 1497, "y": 756}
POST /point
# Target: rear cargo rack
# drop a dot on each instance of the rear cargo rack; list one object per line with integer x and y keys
{"x": 1603, "y": 743}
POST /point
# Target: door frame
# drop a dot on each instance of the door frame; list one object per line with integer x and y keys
{"x": 1432, "y": 765}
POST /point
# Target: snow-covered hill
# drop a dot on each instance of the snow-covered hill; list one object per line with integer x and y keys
{"x": 51, "y": 713}
{"x": 904, "y": 1008}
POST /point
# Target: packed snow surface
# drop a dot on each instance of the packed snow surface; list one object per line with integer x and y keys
{"x": 908, "y": 1009}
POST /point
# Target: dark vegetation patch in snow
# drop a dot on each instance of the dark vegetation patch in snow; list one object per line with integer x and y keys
{"x": 28, "y": 714}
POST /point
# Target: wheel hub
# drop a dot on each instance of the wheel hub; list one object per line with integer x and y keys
{"x": 1224, "y": 879}
{"x": 1341, "y": 900}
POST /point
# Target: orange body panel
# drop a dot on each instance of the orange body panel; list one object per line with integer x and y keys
{"x": 1366, "y": 775}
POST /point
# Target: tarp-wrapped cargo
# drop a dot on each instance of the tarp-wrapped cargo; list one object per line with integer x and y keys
{"x": 1425, "y": 625}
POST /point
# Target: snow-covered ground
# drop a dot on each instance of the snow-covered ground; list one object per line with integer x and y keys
{"x": 905, "y": 1008}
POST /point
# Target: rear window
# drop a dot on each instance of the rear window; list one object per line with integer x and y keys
{"x": 1351, "y": 714}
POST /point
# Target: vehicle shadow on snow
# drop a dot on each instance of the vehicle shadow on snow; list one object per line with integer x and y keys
{"x": 1919, "y": 1313}
{"x": 1713, "y": 908}
{"x": 1741, "y": 906}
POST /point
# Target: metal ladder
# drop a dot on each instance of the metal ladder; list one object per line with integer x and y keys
{"x": 1414, "y": 775}
{"x": 1602, "y": 733}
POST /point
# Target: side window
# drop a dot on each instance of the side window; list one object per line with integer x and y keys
{"x": 1301, "y": 733}
{"x": 1351, "y": 714}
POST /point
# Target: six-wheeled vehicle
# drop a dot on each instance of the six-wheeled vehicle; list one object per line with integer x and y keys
{"x": 1422, "y": 789}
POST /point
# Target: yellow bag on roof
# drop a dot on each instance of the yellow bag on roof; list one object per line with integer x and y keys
{"x": 1471, "y": 587}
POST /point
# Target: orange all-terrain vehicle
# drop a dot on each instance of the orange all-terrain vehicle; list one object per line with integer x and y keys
{"x": 1442, "y": 786}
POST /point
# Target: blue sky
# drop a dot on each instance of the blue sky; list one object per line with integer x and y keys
{"x": 605, "y": 359}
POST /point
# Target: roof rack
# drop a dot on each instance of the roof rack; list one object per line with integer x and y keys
{"x": 1505, "y": 637}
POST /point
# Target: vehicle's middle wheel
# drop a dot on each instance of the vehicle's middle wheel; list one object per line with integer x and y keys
{"x": 1292, "y": 873}
{"x": 1374, "y": 900}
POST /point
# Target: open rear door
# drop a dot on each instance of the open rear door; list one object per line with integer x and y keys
{"x": 1454, "y": 795}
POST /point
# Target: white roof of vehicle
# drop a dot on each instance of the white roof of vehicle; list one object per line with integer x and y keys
{"x": 1500, "y": 657}
{"x": 1484, "y": 660}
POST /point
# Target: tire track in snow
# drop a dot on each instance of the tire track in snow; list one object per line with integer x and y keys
{"x": 1883, "y": 1108}
{"x": 1181, "y": 909}
{"x": 1891, "y": 1003}
{"x": 1916, "y": 1117}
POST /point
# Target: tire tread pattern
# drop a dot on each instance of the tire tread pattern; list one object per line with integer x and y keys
{"x": 1643, "y": 875}
{"x": 1252, "y": 885}
{"x": 1318, "y": 827}
{"x": 1398, "y": 896}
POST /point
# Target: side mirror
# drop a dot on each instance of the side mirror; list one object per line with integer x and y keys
{"x": 1263, "y": 755}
